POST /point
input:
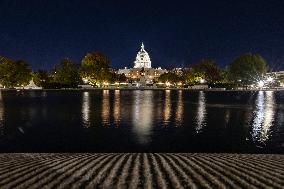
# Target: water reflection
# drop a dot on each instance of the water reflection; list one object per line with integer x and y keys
{"x": 1, "y": 115}
{"x": 263, "y": 116}
{"x": 179, "y": 109}
{"x": 201, "y": 112}
{"x": 143, "y": 115}
{"x": 116, "y": 107}
{"x": 227, "y": 117}
{"x": 167, "y": 107}
{"x": 105, "y": 108}
{"x": 86, "y": 110}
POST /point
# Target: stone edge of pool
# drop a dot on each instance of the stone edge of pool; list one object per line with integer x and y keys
{"x": 141, "y": 170}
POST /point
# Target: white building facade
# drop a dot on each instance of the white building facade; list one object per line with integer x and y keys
{"x": 142, "y": 63}
{"x": 142, "y": 59}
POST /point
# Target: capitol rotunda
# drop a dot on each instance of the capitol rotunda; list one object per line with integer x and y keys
{"x": 142, "y": 63}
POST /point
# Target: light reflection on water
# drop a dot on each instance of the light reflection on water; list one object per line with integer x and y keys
{"x": 86, "y": 109}
{"x": 264, "y": 116}
{"x": 1, "y": 115}
{"x": 179, "y": 109}
{"x": 116, "y": 108}
{"x": 149, "y": 117}
{"x": 105, "y": 108}
{"x": 201, "y": 112}
{"x": 142, "y": 116}
{"x": 167, "y": 107}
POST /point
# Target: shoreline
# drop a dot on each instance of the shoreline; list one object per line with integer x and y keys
{"x": 110, "y": 88}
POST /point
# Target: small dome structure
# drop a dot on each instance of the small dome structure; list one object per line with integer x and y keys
{"x": 142, "y": 59}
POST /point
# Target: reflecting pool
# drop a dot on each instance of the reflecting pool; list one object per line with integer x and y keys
{"x": 142, "y": 121}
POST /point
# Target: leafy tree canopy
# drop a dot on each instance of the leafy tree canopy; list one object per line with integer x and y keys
{"x": 95, "y": 68}
{"x": 14, "y": 73}
{"x": 207, "y": 69}
{"x": 169, "y": 77}
{"x": 41, "y": 78}
{"x": 67, "y": 73}
{"x": 247, "y": 68}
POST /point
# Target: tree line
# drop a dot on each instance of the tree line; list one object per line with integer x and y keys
{"x": 247, "y": 69}
{"x": 96, "y": 70}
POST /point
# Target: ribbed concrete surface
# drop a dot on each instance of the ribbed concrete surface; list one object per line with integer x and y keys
{"x": 141, "y": 171}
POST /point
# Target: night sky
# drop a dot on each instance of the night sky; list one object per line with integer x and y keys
{"x": 175, "y": 33}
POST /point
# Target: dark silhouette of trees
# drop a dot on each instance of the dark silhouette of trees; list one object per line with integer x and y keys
{"x": 247, "y": 69}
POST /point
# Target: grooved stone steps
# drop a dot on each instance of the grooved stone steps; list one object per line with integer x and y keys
{"x": 124, "y": 170}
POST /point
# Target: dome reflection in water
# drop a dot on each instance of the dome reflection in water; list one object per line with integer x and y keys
{"x": 142, "y": 118}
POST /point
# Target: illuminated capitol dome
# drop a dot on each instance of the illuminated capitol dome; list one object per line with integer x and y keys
{"x": 142, "y": 59}
{"x": 142, "y": 63}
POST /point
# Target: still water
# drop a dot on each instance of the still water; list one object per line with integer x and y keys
{"x": 142, "y": 121}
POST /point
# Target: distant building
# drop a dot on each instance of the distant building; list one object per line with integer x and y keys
{"x": 178, "y": 71}
{"x": 142, "y": 59}
{"x": 142, "y": 64}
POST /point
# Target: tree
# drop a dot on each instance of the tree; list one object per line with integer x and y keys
{"x": 41, "y": 78}
{"x": 191, "y": 77}
{"x": 67, "y": 74}
{"x": 14, "y": 73}
{"x": 247, "y": 69}
{"x": 169, "y": 77}
{"x": 120, "y": 78}
{"x": 207, "y": 69}
{"x": 95, "y": 68}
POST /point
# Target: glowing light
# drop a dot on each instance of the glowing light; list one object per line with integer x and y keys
{"x": 202, "y": 80}
{"x": 142, "y": 59}
{"x": 180, "y": 83}
{"x": 270, "y": 79}
{"x": 260, "y": 84}
{"x": 85, "y": 80}
{"x": 168, "y": 84}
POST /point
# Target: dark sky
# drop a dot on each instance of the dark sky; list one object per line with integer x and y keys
{"x": 175, "y": 33}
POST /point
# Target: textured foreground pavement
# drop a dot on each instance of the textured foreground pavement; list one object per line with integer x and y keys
{"x": 141, "y": 171}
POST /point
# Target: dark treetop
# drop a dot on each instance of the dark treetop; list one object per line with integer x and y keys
{"x": 175, "y": 33}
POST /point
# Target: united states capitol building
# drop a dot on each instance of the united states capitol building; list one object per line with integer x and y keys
{"x": 142, "y": 71}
